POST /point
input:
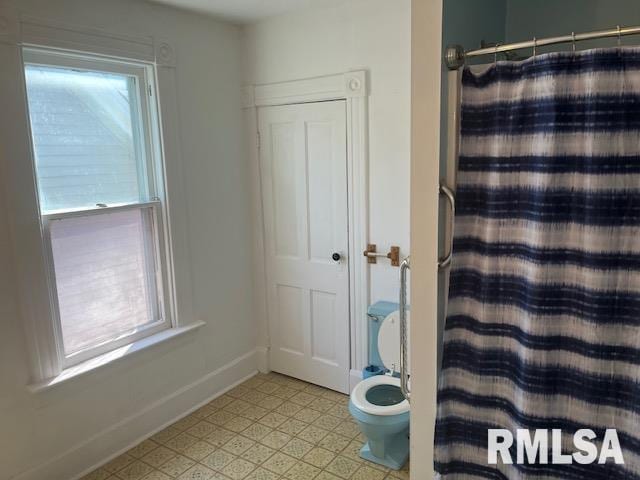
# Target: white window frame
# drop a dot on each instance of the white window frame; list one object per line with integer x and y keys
{"x": 148, "y": 142}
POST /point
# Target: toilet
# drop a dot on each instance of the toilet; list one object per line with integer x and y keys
{"x": 378, "y": 406}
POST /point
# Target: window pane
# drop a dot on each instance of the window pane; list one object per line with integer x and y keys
{"x": 105, "y": 276}
{"x": 85, "y": 132}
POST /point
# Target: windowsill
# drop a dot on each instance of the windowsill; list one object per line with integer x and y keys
{"x": 109, "y": 357}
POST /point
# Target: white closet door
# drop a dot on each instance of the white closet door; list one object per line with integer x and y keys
{"x": 304, "y": 187}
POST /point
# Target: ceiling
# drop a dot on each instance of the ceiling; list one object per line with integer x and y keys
{"x": 247, "y": 11}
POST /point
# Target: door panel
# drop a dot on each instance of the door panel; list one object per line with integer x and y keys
{"x": 284, "y": 189}
{"x": 291, "y": 307}
{"x": 323, "y": 325}
{"x": 321, "y": 177}
{"x": 304, "y": 188}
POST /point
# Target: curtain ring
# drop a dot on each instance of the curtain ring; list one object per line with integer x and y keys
{"x": 573, "y": 41}
{"x": 535, "y": 45}
{"x": 619, "y": 35}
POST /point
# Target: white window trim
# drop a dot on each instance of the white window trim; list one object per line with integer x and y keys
{"x": 159, "y": 56}
{"x": 153, "y": 187}
{"x": 111, "y": 356}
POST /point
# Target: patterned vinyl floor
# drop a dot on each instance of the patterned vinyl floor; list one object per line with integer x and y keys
{"x": 271, "y": 427}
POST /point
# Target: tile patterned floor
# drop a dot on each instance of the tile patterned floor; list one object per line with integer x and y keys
{"x": 271, "y": 427}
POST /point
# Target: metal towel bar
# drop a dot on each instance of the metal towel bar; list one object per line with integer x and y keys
{"x": 444, "y": 262}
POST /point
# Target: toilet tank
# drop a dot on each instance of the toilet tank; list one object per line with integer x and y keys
{"x": 376, "y": 313}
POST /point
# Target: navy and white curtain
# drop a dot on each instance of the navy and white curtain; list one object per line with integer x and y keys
{"x": 543, "y": 323}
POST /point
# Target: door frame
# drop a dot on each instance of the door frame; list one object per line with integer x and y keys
{"x": 352, "y": 87}
{"x": 426, "y": 72}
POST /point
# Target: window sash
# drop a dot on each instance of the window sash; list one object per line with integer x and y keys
{"x": 146, "y": 138}
{"x": 160, "y": 281}
{"x": 147, "y": 131}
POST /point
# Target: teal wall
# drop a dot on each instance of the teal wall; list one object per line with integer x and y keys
{"x": 544, "y": 18}
{"x": 466, "y": 23}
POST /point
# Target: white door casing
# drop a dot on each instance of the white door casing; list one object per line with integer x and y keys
{"x": 303, "y": 157}
{"x": 426, "y": 51}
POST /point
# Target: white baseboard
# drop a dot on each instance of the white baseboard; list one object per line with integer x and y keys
{"x": 262, "y": 358}
{"x": 115, "y": 440}
{"x": 355, "y": 377}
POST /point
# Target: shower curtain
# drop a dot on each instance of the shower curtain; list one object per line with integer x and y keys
{"x": 543, "y": 321}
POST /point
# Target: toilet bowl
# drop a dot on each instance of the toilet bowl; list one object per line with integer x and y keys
{"x": 378, "y": 406}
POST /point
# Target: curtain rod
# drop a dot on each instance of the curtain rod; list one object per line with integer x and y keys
{"x": 455, "y": 55}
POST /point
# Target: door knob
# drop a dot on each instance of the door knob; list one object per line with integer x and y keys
{"x": 336, "y": 257}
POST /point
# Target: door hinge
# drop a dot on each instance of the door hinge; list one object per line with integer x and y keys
{"x": 258, "y": 140}
{"x": 150, "y": 90}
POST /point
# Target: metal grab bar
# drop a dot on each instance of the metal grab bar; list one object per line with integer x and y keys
{"x": 444, "y": 262}
{"x": 404, "y": 375}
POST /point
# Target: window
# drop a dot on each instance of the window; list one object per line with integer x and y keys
{"x": 100, "y": 189}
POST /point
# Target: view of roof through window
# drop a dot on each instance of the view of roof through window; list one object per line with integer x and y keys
{"x": 85, "y": 145}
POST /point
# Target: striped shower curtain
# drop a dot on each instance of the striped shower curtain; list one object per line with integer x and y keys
{"x": 543, "y": 321}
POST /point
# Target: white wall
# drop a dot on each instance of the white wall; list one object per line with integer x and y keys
{"x": 360, "y": 34}
{"x": 55, "y": 434}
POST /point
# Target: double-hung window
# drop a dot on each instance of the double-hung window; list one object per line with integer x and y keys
{"x": 99, "y": 174}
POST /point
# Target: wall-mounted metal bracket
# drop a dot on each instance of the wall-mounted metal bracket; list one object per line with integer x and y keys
{"x": 394, "y": 256}
{"x": 454, "y": 57}
{"x": 372, "y": 255}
